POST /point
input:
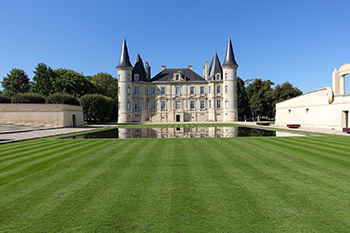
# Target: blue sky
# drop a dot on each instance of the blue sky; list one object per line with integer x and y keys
{"x": 296, "y": 41}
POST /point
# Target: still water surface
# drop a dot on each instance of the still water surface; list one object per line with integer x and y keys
{"x": 186, "y": 132}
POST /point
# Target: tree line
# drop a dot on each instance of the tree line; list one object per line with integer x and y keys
{"x": 257, "y": 98}
{"x": 98, "y": 94}
{"x": 99, "y": 91}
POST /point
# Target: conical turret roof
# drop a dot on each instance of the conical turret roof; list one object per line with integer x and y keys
{"x": 139, "y": 69}
{"x": 124, "y": 57}
{"x": 230, "y": 57}
{"x": 214, "y": 67}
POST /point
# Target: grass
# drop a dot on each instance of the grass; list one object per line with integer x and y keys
{"x": 294, "y": 184}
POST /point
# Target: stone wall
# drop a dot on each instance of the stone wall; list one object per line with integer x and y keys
{"x": 42, "y": 114}
{"x": 315, "y": 109}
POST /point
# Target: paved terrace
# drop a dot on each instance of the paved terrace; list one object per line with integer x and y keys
{"x": 14, "y": 133}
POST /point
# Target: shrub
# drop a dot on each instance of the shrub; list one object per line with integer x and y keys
{"x": 96, "y": 106}
{"x": 4, "y": 99}
{"x": 26, "y": 98}
{"x": 59, "y": 98}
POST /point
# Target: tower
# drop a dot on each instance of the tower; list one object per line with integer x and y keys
{"x": 214, "y": 86}
{"x": 124, "y": 78}
{"x": 229, "y": 68}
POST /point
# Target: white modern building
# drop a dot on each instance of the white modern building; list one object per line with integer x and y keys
{"x": 323, "y": 108}
{"x": 177, "y": 94}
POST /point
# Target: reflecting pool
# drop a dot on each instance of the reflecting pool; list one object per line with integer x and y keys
{"x": 186, "y": 132}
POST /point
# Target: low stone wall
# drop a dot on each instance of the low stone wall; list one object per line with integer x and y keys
{"x": 61, "y": 115}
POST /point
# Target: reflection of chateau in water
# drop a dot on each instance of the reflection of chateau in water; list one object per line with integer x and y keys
{"x": 186, "y": 132}
{"x": 180, "y": 132}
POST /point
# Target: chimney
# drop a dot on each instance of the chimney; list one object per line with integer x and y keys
{"x": 163, "y": 67}
{"x": 148, "y": 71}
{"x": 190, "y": 67}
{"x": 206, "y": 70}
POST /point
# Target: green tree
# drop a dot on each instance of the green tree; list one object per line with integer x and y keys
{"x": 242, "y": 101}
{"x": 106, "y": 84}
{"x": 261, "y": 99}
{"x": 16, "y": 81}
{"x": 43, "y": 79}
{"x": 73, "y": 83}
{"x": 284, "y": 92}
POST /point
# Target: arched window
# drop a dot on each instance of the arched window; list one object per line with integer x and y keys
{"x": 226, "y": 89}
{"x": 136, "y": 78}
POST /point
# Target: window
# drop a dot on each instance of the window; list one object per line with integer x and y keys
{"x": 136, "y": 90}
{"x": 153, "y": 105}
{"x": 218, "y": 89}
{"x": 128, "y": 90}
{"x": 202, "y": 104}
{"x": 162, "y": 105}
{"x": 177, "y": 90}
{"x": 129, "y": 106}
{"x": 162, "y": 90}
{"x": 226, "y": 89}
{"x": 137, "y": 105}
{"x": 226, "y": 104}
{"x": 218, "y": 77}
{"x": 218, "y": 104}
{"x": 177, "y": 104}
{"x": 177, "y": 77}
{"x": 226, "y": 75}
{"x": 209, "y": 89}
{"x": 202, "y": 90}
{"x": 136, "y": 78}
{"x": 191, "y": 90}
{"x": 192, "y": 104}
{"x": 209, "y": 103}
{"x": 153, "y": 90}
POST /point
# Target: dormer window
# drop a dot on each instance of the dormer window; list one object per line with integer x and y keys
{"x": 177, "y": 76}
{"x": 136, "y": 78}
{"x": 218, "y": 77}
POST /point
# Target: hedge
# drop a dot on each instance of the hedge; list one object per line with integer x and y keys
{"x": 26, "y": 98}
{"x": 96, "y": 106}
{"x": 60, "y": 98}
{"x": 5, "y": 99}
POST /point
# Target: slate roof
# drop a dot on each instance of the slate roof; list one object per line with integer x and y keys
{"x": 139, "y": 69}
{"x": 124, "y": 57}
{"x": 168, "y": 75}
{"x": 214, "y": 67}
{"x": 230, "y": 57}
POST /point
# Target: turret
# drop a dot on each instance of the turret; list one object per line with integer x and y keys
{"x": 229, "y": 68}
{"x": 138, "y": 72}
{"x": 215, "y": 71}
{"x": 124, "y": 77}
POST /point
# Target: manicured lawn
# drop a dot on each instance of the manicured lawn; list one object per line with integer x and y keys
{"x": 299, "y": 184}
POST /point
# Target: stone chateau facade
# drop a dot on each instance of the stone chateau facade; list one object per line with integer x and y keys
{"x": 177, "y": 94}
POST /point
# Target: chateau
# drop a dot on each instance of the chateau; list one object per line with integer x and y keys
{"x": 177, "y": 94}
